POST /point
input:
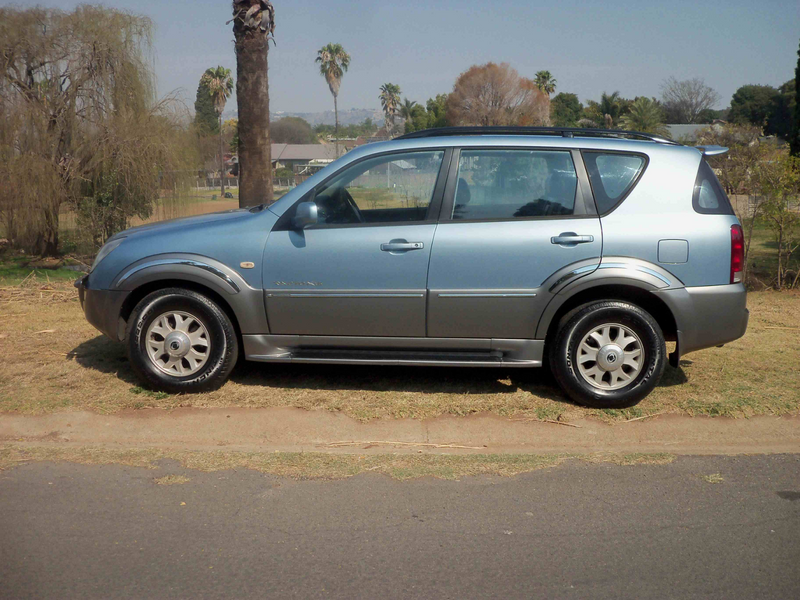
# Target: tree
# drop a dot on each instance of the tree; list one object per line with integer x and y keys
{"x": 608, "y": 111}
{"x": 407, "y": 109}
{"x": 293, "y": 130}
{"x": 752, "y": 104}
{"x": 781, "y": 111}
{"x": 433, "y": 114}
{"x": 794, "y": 138}
{"x": 645, "y": 115}
{"x": 333, "y": 64}
{"x": 205, "y": 117}
{"x": 545, "y": 82}
{"x": 81, "y": 124}
{"x": 565, "y": 110}
{"x": 495, "y": 94}
{"x": 219, "y": 83}
{"x": 684, "y": 101}
{"x": 253, "y": 26}
{"x": 390, "y": 102}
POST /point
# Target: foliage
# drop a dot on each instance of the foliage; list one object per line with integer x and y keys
{"x": 545, "y": 82}
{"x": 432, "y": 115}
{"x": 253, "y": 28}
{"x": 333, "y": 64}
{"x": 565, "y": 110}
{"x": 645, "y": 115}
{"x": 794, "y": 138}
{"x": 767, "y": 107}
{"x": 495, "y": 94}
{"x": 608, "y": 111}
{"x": 81, "y": 127}
{"x": 685, "y": 101}
{"x": 366, "y": 128}
{"x": 778, "y": 181}
{"x": 219, "y": 83}
{"x": 206, "y": 120}
{"x": 407, "y": 109}
{"x": 284, "y": 173}
{"x": 293, "y": 130}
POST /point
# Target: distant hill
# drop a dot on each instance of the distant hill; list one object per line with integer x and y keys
{"x": 354, "y": 116}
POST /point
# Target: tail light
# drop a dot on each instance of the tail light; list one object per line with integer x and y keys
{"x": 737, "y": 253}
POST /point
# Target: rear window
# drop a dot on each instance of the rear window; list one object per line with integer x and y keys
{"x": 709, "y": 198}
{"x": 612, "y": 175}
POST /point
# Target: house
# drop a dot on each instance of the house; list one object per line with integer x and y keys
{"x": 686, "y": 133}
{"x": 298, "y": 157}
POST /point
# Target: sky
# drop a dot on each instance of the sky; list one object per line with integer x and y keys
{"x": 589, "y": 47}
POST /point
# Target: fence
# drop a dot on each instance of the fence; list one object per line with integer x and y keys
{"x": 213, "y": 183}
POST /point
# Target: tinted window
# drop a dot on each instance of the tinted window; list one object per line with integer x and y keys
{"x": 612, "y": 176}
{"x": 709, "y": 198}
{"x": 509, "y": 184}
{"x": 385, "y": 189}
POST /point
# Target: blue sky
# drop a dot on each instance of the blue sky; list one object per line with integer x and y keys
{"x": 590, "y": 47}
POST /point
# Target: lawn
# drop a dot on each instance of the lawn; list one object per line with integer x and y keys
{"x": 54, "y": 360}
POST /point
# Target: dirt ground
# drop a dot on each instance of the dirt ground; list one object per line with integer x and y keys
{"x": 53, "y": 360}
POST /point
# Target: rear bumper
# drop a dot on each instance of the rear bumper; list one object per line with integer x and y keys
{"x": 102, "y": 308}
{"x": 707, "y": 316}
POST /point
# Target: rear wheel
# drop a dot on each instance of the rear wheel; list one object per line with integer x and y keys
{"x": 181, "y": 341}
{"x": 608, "y": 354}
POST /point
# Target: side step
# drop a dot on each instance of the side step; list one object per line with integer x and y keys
{"x": 396, "y": 355}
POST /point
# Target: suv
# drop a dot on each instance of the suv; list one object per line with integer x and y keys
{"x": 469, "y": 247}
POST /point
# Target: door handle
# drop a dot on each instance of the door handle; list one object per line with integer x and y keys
{"x": 401, "y": 246}
{"x": 571, "y": 239}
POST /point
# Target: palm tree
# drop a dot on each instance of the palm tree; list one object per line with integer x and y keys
{"x": 407, "y": 110}
{"x": 220, "y": 87}
{"x": 333, "y": 64}
{"x": 390, "y": 102}
{"x": 610, "y": 106}
{"x": 545, "y": 82}
{"x": 253, "y": 26}
{"x": 646, "y": 116}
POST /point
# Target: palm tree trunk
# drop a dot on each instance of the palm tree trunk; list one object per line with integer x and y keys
{"x": 221, "y": 161}
{"x": 336, "y": 118}
{"x": 252, "y": 97}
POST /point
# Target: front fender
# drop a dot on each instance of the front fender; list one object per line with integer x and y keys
{"x": 247, "y": 303}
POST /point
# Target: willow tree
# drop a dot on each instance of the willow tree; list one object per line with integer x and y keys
{"x": 81, "y": 125}
{"x": 219, "y": 83}
{"x": 253, "y": 26}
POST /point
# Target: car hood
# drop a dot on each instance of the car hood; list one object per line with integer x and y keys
{"x": 184, "y": 222}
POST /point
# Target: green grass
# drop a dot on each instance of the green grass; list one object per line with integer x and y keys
{"x": 16, "y": 268}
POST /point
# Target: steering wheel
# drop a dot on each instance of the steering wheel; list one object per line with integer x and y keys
{"x": 353, "y": 206}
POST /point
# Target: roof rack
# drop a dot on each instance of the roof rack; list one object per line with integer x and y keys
{"x": 567, "y": 132}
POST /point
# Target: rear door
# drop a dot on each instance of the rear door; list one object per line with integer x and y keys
{"x": 511, "y": 218}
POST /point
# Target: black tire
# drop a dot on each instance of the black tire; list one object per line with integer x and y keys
{"x": 223, "y": 348}
{"x": 579, "y": 323}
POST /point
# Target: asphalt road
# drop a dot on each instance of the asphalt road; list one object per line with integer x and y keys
{"x": 575, "y": 531}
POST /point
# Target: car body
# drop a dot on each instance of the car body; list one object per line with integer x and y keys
{"x": 459, "y": 247}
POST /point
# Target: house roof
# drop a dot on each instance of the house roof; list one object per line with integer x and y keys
{"x": 303, "y": 152}
{"x": 686, "y": 132}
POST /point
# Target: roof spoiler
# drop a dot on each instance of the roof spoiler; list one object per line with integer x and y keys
{"x": 712, "y": 150}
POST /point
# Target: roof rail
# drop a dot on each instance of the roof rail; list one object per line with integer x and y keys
{"x": 553, "y": 131}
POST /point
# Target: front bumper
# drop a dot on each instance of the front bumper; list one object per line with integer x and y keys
{"x": 102, "y": 308}
{"x": 707, "y": 316}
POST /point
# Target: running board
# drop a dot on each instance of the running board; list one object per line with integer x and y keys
{"x": 453, "y": 352}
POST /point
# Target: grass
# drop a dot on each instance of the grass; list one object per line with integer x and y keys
{"x": 53, "y": 360}
{"x": 713, "y": 478}
{"x": 315, "y": 465}
{"x": 16, "y": 267}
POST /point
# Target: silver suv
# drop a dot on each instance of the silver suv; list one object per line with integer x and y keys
{"x": 469, "y": 247}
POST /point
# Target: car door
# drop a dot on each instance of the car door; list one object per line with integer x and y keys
{"x": 361, "y": 269}
{"x": 511, "y": 219}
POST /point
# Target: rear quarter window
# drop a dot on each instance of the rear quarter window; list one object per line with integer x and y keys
{"x": 613, "y": 176}
{"x": 709, "y": 198}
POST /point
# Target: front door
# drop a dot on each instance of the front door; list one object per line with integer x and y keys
{"x": 511, "y": 219}
{"x": 361, "y": 270}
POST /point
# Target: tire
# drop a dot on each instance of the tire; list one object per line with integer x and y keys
{"x": 199, "y": 348}
{"x": 594, "y": 354}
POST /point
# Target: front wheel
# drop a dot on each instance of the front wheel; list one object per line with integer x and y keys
{"x": 608, "y": 354}
{"x": 181, "y": 341}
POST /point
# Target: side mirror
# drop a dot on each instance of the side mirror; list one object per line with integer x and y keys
{"x": 306, "y": 215}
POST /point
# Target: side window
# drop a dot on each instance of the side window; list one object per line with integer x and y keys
{"x": 385, "y": 189}
{"x": 612, "y": 176}
{"x": 709, "y": 198}
{"x": 511, "y": 184}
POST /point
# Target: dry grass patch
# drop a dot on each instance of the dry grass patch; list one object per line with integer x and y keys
{"x": 54, "y": 360}
{"x": 171, "y": 480}
{"x": 316, "y": 465}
